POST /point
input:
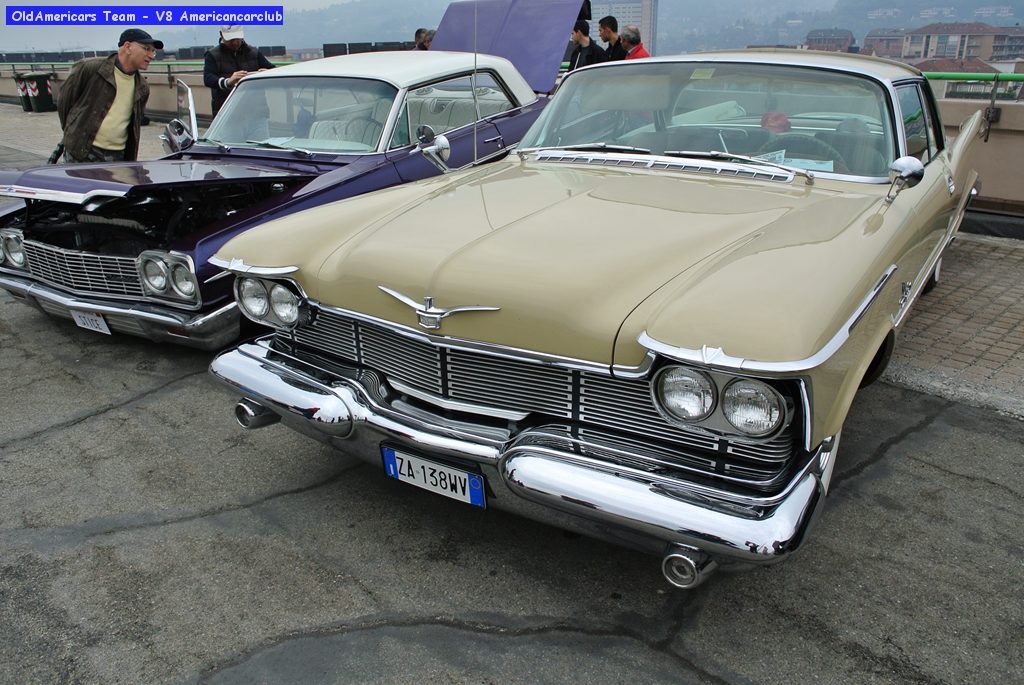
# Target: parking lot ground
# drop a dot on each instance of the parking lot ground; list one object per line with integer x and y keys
{"x": 145, "y": 538}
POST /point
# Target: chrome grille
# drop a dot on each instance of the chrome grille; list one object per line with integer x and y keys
{"x": 509, "y": 383}
{"x": 599, "y": 403}
{"x": 83, "y": 271}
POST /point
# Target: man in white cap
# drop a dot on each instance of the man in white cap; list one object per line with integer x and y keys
{"x": 229, "y": 62}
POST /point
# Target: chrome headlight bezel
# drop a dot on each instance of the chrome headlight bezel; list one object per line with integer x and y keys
{"x": 784, "y": 394}
{"x": 169, "y": 264}
{"x": 766, "y": 391}
{"x": 708, "y": 399}
{"x": 9, "y": 238}
{"x": 277, "y": 315}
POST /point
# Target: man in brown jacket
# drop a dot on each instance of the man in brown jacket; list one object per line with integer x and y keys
{"x": 102, "y": 103}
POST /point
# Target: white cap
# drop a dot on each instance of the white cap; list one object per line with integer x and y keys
{"x": 231, "y": 32}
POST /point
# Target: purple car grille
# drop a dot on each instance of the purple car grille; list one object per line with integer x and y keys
{"x": 83, "y": 271}
{"x": 600, "y": 402}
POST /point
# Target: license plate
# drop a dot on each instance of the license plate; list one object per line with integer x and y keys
{"x": 438, "y": 478}
{"x": 94, "y": 322}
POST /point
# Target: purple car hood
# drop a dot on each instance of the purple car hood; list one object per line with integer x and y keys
{"x": 532, "y": 34}
{"x": 78, "y": 182}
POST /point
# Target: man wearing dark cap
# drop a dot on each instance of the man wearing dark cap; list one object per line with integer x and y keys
{"x": 229, "y": 63}
{"x": 102, "y": 102}
{"x": 585, "y": 52}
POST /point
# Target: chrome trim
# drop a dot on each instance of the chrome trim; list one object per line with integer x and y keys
{"x": 29, "y": 193}
{"x": 456, "y": 405}
{"x": 427, "y": 315}
{"x": 216, "y": 277}
{"x": 715, "y": 357}
{"x": 237, "y": 266}
{"x": 211, "y": 331}
{"x": 611, "y": 501}
{"x": 489, "y": 349}
{"x": 627, "y": 161}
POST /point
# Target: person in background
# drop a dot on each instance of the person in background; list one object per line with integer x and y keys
{"x": 102, "y": 102}
{"x": 630, "y": 38}
{"x": 428, "y": 38}
{"x": 418, "y": 37}
{"x": 586, "y": 51}
{"x": 608, "y": 30}
{"x": 228, "y": 63}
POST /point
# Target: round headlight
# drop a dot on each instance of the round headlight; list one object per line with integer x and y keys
{"x": 15, "y": 250}
{"x": 155, "y": 273}
{"x": 752, "y": 407}
{"x": 182, "y": 279}
{"x": 685, "y": 394}
{"x": 252, "y": 295}
{"x": 285, "y": 304}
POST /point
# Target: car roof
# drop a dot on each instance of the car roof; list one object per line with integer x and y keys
{"x": 406, "y": 68}
{"x": 880, "y": 68}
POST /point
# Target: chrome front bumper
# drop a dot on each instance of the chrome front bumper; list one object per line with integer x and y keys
{"x": 210, "y": 331}
{"x": 550, "y": 482}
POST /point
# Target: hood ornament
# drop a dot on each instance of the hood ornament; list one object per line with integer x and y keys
{"x": 427, "y": 315}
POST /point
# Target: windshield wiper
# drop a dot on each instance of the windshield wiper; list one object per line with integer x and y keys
{"x": 221, "y": 147}
{"x": 279, "y": 146}
{"x": 595, "y": 147}
{"x": 730, "y": 156}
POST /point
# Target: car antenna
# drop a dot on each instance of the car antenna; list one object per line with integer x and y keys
{"x": 472, "y": 84}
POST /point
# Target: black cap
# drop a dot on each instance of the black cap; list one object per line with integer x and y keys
{"x": 139, "y": 36}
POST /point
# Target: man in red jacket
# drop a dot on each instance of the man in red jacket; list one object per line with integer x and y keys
{"x": 630, "y": 38}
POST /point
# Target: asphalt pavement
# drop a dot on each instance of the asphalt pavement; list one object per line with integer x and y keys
{"x": 145, "y": 538}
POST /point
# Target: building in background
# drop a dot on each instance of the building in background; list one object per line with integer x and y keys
{"x": 951, "y": 41}
{"x": 643, "y": 13}
{"x": 831, "y": 40}
{"x": 884, "y": 43}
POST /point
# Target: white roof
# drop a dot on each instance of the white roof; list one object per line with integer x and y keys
{"x": 407, "y": 68}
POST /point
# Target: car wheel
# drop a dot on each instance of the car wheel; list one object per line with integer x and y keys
{"x": 935, "y": 277}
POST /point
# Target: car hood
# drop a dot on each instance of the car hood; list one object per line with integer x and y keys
{"x": 574, "y": 258}
{"x": 77, "y": 182}
{"x": 532, "y": 34}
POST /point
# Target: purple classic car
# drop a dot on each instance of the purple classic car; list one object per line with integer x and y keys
{"x": 125, "y": 247}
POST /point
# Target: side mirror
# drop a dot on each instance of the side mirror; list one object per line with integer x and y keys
{"x": 435, "y": 148}
{"x": 176, "y": 137}
{"x": 905, "y": 172}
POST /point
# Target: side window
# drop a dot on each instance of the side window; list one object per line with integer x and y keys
{"x": 917, "y": 124}
{"x": 455, "y": 102}
{"x": 401, "y": 137}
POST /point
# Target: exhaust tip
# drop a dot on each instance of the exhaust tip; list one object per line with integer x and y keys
{"x": 687, "y": 568}
{"x": 251, "y": 415}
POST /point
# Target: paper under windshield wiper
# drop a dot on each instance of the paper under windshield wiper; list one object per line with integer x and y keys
{"x": 729, "y": 156}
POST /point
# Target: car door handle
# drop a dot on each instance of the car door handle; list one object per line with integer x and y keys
{"x": 500, "y": 140}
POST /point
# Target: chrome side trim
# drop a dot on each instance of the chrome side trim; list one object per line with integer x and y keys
{"x": 238, "y": 266}
{"x": 715, "y": 357}
{"x": 28, "y": 193}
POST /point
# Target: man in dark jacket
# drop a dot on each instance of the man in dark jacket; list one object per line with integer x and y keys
{"x": 102, "y": 102}
{"x": 585, "y": 52}
{"x": 229, "y": 63}
{"x": 608, "y": 29}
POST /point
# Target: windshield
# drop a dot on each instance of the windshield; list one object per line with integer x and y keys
{"x": 312, "y": 113}
{"x": 807, "y": 118}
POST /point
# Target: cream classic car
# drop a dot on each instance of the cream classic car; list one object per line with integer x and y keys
{"x": 647, "y": 325}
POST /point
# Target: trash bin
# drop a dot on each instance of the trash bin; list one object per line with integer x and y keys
{"x": 19, "y": 81}
{"x": 39, "y": 94}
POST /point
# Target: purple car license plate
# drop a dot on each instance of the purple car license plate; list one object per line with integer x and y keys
{"x": 463, "y": 486}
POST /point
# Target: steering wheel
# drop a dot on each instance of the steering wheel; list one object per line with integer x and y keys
{"x": 801, "y": 144}
{"x": 368, "y": 124}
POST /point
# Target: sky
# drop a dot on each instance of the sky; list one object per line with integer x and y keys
{"x": 55, "y": 38}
